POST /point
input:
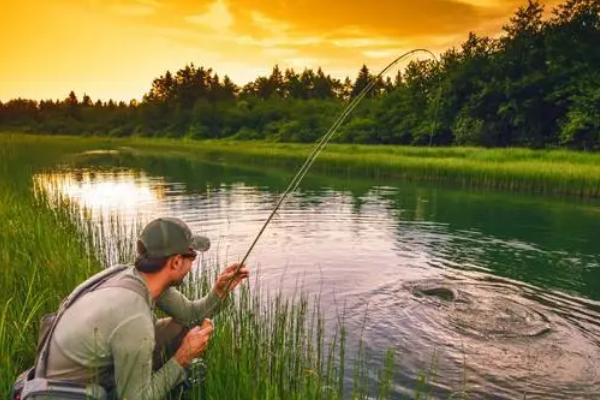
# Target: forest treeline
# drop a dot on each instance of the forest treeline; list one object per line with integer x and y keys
{"x": 536, "y": 85}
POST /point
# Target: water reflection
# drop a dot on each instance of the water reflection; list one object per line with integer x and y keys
{"x": 477, "y": 282}
{"x": 102, "y": 193}
{"x": 112, "y": 204}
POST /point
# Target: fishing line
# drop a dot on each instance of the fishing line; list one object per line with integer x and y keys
{"x": 319, "y": 146}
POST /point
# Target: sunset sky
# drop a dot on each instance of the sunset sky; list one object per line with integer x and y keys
{"x": 114, "y": 48}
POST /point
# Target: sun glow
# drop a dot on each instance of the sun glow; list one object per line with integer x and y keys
{"x": 115, "y": 48}
{"x": 103, "y": 194}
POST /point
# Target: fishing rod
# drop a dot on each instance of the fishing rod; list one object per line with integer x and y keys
{"x": 319, "y": 146}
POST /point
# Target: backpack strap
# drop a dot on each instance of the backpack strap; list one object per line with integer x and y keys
{"x": 129, "y": 282}
{"x": 87, "y": 286}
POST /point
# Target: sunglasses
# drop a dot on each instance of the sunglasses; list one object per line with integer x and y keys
{"x": 191, "y": 255}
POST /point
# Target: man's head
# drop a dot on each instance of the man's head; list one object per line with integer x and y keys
{"x": 168, "y": 245}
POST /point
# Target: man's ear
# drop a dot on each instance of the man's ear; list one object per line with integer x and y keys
{"x": 172, "y": 263}
{"x": 177, "y": 261}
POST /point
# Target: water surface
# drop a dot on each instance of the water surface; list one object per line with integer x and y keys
{"x": 494, "y": 293}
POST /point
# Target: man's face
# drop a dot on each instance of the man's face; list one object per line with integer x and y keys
{"x": 183, "y": 265}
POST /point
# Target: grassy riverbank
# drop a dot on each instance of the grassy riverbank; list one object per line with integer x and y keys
{"x": 264, "y": 347}
{"x": 556, "y": 172}
{"x": 42, "y": 255}
{"x": 553, "y": 172}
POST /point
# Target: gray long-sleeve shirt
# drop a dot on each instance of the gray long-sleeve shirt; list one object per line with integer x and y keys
{"x": 107, "y": 337}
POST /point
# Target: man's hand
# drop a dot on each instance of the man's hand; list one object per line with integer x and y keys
{"x": 228, "y": 280}
{"x": 194, "y": 343}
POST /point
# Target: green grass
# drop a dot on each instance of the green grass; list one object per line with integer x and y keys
{"x": 42, "y": 255}
{"x": 276, "y": 348}
{"x": 263, "y": 348}
{"x": 555, "y": 172}
{"x": 551, "y": 172}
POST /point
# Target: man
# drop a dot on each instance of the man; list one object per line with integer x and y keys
{"x": 110, "y": 335}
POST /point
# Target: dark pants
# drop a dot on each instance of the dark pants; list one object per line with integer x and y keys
{"x": 168, "y": 335}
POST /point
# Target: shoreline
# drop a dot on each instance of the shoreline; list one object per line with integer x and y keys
{"x": 46, "y": 251}
{"x": 546, "y": 172}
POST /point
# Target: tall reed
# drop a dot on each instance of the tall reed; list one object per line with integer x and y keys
{"x": 42, "y": 255}
{"x": 265, "y": 347}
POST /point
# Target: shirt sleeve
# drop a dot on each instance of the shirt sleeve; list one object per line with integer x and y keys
{"x": 132, "y": 345}
{"x": 186, "y": 311}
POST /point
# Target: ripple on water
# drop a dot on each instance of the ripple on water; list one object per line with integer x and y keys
{"x": 499, "y": 317}
{"x": 501, "y": 337}
{"x": 498, "y": 333}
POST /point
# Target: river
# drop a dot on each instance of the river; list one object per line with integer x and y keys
{"x": 496, "y": 294}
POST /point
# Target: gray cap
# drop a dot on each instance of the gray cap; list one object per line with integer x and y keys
{"x": 165, "y": 237}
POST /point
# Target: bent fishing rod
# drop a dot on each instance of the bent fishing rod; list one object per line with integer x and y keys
{"x": 319, "y": 146}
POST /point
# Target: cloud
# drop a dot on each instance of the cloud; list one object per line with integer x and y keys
{"x": 242, "y": 38}
{"x": 261, "y": 21}
{"x": 383, "y": 54}
{"x": 256, "y": 42}
{"x": 375, "y": 18}
{"x": 359, "y": 41}
{"x": 217, "y": 17}
{"x": 302, "y": 62}
{"x": 327, "y": 32}
{"x": 368, "y": 25}
{"x": 136, "y": 8}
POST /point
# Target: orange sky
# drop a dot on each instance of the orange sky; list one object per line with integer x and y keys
{"x": 114, "y": 48}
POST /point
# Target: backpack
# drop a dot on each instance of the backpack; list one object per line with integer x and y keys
{"x": 32, "y": 384}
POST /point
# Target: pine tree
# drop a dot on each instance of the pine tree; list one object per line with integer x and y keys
{"x": 229, "y": 89}
{"x": 362, "y": 80}
{"x": 292, "y": 85}
{"x": 323, "y": 87}
{"x": 346, "y": 90}
{"x": 527, "y": 20}
{"x": 307, "y": 81}
{"x": 86, "y": 101}
{"x": 276, "y": 80}
{"x": 71, "y": 100}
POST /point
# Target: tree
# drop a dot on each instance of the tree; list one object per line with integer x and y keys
{"x": 229, "y": 90}
{"x": 362, "y": 80}
{"x": 307, "y": 82}
{"x": 292, "y": 85}
{"x": 346, "y": 89}
{"x": 276, "y": 82}
{"x": 580, "y": 127}
{"x": 527, "y": 21}
{"x": 324, "y": 86}
{"x": 583, "y": 12}
{"x": 398, "y": 81}
{"x": 536, "y": 85}
{"x": 86, "y": 101}
{"x": 71, "y": 100}
{"x": 162, "y": 88}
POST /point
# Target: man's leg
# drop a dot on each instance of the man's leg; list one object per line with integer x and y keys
{"x": 168, "y": 335}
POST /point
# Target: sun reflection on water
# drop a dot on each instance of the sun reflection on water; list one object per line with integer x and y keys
{"x": 388, "y": 254}
{"x": 124, "y": 192}
{"x": 112, "y": 205}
